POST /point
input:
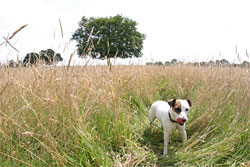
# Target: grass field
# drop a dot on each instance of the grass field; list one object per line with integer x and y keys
{"x": 88, "y": 116}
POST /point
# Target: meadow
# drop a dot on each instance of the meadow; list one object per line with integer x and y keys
{"x": 89, "y": 116}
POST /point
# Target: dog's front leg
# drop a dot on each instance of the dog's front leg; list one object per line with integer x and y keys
{"x": 183, "y": 133}
{"x": 184, "y": 136}
{"x": 166, "y": 140}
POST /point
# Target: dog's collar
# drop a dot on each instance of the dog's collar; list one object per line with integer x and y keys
{"x": 173, "y": 121}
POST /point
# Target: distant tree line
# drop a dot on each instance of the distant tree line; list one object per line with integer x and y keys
{"x": 48, "y": 57}
{"x": 218, "y": 63}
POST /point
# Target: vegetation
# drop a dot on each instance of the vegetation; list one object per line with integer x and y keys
{"x": 218, "y": 63}
{"x": 87, "y": 116}
{"x": 109, "y": 37}
{"x": 48, "y": 56}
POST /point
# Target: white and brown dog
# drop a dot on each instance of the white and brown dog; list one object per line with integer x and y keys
{"x": 172, "y": 115}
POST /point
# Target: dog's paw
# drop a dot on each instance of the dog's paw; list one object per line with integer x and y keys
{"x": 165, "y": 155}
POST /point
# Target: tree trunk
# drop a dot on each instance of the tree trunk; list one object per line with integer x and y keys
{"x": 108, "y": 61}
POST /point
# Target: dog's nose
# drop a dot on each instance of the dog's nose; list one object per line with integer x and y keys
{"x": 184, "y": 119}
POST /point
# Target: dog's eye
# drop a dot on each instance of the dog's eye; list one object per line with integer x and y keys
{"x": 187, "y": 109}
{"x": 177, "y": 110}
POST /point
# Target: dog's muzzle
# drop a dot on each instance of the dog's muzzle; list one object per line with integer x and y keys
{"x": 181, "y": 121}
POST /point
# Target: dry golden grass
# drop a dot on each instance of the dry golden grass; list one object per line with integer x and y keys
{"x": 89, "y": 116}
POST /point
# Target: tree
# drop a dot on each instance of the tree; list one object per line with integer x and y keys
{"x": 109, "y": 37}
{"x": 218, "y": 63}
{"x": 12, "y": 63}
{"x": 224, "y": 62}
{"x": 149, "y": 63}
{"x": 31, "y": 58}
{"x": 159, "y": 63}
{"x": 203, "y": 63}
{"x": 48, "y": 56}
{"x": 211, "y": 63}
{"x": 174, "y": 61}
{"x": 245, "y": 64}
{"x": 167, "y": 63}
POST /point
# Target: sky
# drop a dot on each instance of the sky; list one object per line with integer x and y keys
{"x": 187, "y": 30}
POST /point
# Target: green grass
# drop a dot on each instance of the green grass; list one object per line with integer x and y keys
{"x": 88, "y": 116}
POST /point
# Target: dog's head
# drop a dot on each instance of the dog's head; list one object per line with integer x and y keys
{"x": 180, "y": 108}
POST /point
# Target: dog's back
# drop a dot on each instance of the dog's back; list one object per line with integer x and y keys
{"x": 159, "y": 110}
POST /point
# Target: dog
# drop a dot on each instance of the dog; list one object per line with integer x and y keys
{"x": 172, "y": 115}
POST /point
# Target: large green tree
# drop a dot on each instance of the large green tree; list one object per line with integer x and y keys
{"x": 108, "y": 37}
{"x": 48, "y": 56}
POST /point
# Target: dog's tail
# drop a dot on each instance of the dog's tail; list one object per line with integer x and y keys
{"x": 151, "y": 114}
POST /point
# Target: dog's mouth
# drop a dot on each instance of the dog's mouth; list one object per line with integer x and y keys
{"x": 180, "y": 121}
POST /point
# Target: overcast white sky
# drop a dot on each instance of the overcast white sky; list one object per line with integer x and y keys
{"x": 188, "y": 30}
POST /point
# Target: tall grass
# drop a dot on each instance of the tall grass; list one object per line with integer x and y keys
{"x": 88, "y": 116}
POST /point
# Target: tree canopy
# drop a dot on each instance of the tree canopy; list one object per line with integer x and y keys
{"x": 48, "y": 56}
{"x": 31, "y": 58}
{"x": 108, "y": 37}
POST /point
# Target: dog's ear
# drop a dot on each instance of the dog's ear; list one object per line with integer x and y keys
{"x": 189, "y": 102}
{"x": 172, "y": 102}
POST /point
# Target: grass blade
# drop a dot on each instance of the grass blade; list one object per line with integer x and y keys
{"x": 22, "y": 27}
{"x": 61, "y": 28}
{"x": 10, "y": 44}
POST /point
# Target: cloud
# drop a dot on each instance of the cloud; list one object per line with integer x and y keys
{"x": 179, "y": 29}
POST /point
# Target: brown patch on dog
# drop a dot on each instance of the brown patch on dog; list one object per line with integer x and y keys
{"x": 177, "y": 107}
